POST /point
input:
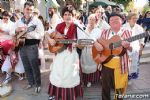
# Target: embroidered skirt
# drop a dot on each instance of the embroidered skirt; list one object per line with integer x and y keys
{"x": 92, "y": 77}
{"x": 65, "y": 93}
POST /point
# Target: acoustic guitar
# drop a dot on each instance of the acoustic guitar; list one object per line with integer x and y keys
{"x": 112, "y": 47}
{"x": 20, "y": 37}
{"x": 60, "y": 42}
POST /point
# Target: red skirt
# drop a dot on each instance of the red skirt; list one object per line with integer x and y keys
{"x": 65, "y": 93}
{"x": 92, "y": 77}
{"x": 6, "y": 46}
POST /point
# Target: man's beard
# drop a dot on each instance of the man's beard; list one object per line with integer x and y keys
{"x": 51, "y": 14}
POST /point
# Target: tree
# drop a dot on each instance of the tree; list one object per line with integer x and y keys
{"x": 75, "y": 3}
{"x": 126, "y": 3}
{"x": 146, "y": 8}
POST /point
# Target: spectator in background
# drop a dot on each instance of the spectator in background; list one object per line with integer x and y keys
{"x": 54, "y": 17}
{"x": 36, "y": 12}
{"x": 16, "y": 15}
{"x": 83, "y": 17}
{"x": 145, "y": 22}
{"x": 137, "y": 46}
{"x": 102, "y": 24}
{"x": 1, "y": 10}
{"x": 108, "y": 11}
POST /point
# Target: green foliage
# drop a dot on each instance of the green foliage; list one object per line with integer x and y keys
{"x": 124, "y": 2}
{"x": 146, "y": 8}
{"x": 130, "y": 6}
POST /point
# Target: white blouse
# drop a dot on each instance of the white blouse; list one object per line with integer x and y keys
{"x": 88, "y": 65}
{"x": 7, "y": 27}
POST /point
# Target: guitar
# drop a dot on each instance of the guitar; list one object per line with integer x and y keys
{"x": 112, "y": 47}
{"x": 60, "y": 42}
{"x": 20, "y": 37}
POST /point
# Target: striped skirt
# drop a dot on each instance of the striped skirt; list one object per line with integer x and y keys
{"x": 92, "y": 77}
{"x": 65, "y": 93}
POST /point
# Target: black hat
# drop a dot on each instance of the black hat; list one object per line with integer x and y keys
{"x": 114, "y": 14}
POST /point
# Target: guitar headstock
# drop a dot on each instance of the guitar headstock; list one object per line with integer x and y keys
{"x": 85, "y": 41}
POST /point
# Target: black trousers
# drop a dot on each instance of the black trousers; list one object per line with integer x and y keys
{"x": 29, "y": 56}
{"x": 108, "y": 83}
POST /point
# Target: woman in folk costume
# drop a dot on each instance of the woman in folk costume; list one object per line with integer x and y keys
{"x": 115, "y": 72}
{"x": 6, "y": 42}
{"x": 64, "y": 76}
{"x": 101, "y": 23}
{"x": 136, "y": 45}
{"x": 6, "y": 27}
{"x": 9, "y": 66}
{"x": 12, "y": 62}
{"x": 88, "y": 65}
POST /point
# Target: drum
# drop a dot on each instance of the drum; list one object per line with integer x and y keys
{"x": 5, "y": 90}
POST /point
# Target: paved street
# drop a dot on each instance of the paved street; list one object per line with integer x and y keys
{"x": 138, "y": 86}
{"x": 141, "y": 86}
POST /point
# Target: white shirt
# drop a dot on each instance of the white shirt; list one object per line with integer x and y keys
{"x": 38, "y": 33}
{"x": 88, "y": 65}
{"x": 137, "y": 29}
{"x": 55, "y": 20}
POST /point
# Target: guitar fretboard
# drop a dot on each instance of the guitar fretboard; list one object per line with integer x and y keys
{"x": 66, "y": 41}
{"x": 79, "y": 41}
{"x": 131, "y": 39}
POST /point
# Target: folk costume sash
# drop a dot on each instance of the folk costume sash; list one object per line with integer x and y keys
{"x": 71, "y": 33}
{"x": 26, "y": 21}
{"x": 119, "y": 64}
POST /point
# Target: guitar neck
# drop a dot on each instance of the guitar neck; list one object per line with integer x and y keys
{"x": 79, "y": 41}
{"x": 131, "y": 39}
{"x": 137, "y": 37}
{"x": 66, "y": 41}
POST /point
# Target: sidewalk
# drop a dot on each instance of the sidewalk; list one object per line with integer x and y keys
{"x": 139, "y": 86}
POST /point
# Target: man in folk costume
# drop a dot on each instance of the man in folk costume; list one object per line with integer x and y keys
{"x": 136, "y": 45}
{"x": 29, "y": 52}
{"x": 115, "y": 71}
{"x": 64, "y": 76}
